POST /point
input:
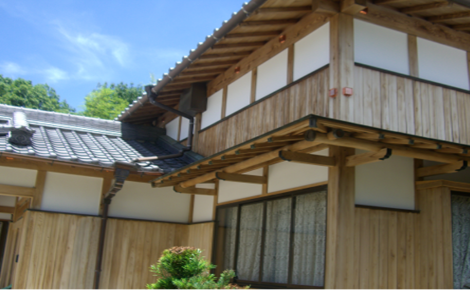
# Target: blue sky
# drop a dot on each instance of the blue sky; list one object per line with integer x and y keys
{"x": 73, "y": 45}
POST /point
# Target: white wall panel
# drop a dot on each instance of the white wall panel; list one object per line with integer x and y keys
{"x": 238, "y": 94}
{"x": 172, "y": 128}
{"x": 287, "y": 175}
{"x": 229, "y": 190}
{"x": 139, "y": 200}
{"x": 388, "y": 183}
{"x": 203, "y": 207}
{"x": 184, "y": 128}
{"x": 312, "y": 52}
{"x": 380, "y": 47}
{"x": 214, "y": 109}
{"x": 71, "y": 193}
{"x": 443, "y": 64}
{"x": 7, "y": 201}
{"x": 272, "y": 75}
{"x": 17, "y": 176}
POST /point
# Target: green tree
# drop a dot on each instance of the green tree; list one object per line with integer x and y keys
{"x": 22, "y": 93}
{"x": 107, "y": 101}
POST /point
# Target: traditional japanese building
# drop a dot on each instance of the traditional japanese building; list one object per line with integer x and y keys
{"x": 305, "y": 143}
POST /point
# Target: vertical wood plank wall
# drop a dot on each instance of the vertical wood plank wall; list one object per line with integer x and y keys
{"x": 380, "y": 100}
{"x": 59, "y": 250}
{"x": 394, "y": 249}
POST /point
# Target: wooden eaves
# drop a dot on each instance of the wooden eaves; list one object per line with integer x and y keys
{"x": 307, "y": 135}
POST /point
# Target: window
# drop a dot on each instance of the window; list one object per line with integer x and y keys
{"x": 461, "y": 239}
{"x": 275, "y": 241}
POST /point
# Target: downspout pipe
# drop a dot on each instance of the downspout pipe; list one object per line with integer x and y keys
{"x": 121, "y": 172}
{"x": 152, "y": 99}
{"x": 202, "y": 47}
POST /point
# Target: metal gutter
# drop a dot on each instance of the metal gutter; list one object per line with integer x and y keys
{"x": 218, "y": 34}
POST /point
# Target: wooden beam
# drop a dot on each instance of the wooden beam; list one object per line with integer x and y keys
{"x": 209, "y": 64}
{"x": 415, "y": 26}
{"x": 451, "y": 16}
{"x": 468, "y": 66}
{"x": 404, "y": 141}
{"x": 39, "y": 189}
{"x": 290, "y": 64}
{"x": 352, "y": 6}
{"x": 413, "y": 55}
{"x": 224, "y": 55}
{"x": 20, "y": 191}
{"x": 307, "y": 158}
{"x": 441, "y": 169}
{"x": 369, "y": 136}
{"x": 283, "y": 9}
{"x": 368, "y": 157}
{"x": 452, "y": 185}
{"x": 198, "y": 72}
{"x": 424, "y": 7}
{"x": 463, "y": 27}
{"x": 241, "y": 178}
{"x": 105, "y": 187}
{"x": 191, "y": 209}
{"x": 239, "y": 45}
{"x": 194, "y": 190}
{"x": 385, "y": 2}
{"x": 224, "y": 102}
{"x": 275, "y": 139}
{"x": 265, "y": 175}
{"x": 272, "y": 33}
{"x": 254, "y": 76}
{"x": 269, "y": 22}
{"x": 7, "y": 209}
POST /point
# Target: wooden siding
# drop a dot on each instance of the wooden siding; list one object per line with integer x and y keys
{"x": 59, "y": 250}
{"x": 395, "y": 249}
{"x": 381, "y": 100}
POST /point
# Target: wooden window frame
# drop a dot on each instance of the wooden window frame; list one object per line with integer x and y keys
{"x": 264, "y": 200}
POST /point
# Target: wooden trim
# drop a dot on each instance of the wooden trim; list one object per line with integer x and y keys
{"x": 368, "y": 157}
{"x": 12, "y": 190}
{"x": 39, "y": 189}
{"x": 254, "y": 76}
{"x": 274, "y": 193}
{"x": 307, "y": 158}
{"x": 264, "y": 190}
{"x": 283, "y": 9}
{"x": 452, "y": 185}
{"x": 241, "y": 178}
{"x": 7, "y": 209}
{"x": 468, "y": 67}
{"x": 413, "y": 61}
{"x": 268, "y": 22}
{"x": 386, "y": 208}
{"x": 424, "y": 7}
{"x": 224, "y": 103}
{"x": 194, "y": 190}
{"x": 441, "y": 169}
{"x": 216, "y": 200}
{"x": 243, "y": 35}
{"x": 290, "y": 63}
{"x": 191, "y": 209}
{"x": 105, "y": 187}
{"x": 395, "y": 20}
{"x": 352, "y": 6}
{"x": 179, "y": 128}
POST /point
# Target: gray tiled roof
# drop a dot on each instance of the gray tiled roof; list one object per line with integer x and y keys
{"x": 93, "y": 141}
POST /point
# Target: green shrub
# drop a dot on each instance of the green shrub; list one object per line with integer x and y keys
{"x": 184, "y": 268}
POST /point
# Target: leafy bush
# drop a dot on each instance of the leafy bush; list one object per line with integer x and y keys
{"x": 184, "y": 268}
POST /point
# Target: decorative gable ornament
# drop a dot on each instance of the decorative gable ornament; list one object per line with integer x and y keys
{"x": 19, "y": 131}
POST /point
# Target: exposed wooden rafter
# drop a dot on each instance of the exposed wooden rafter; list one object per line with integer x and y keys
{"x": 239, "y": 45}
{"x": 424, "y": 7}
{"x": 307, "y": 158}
{"x": 269, "y": 22}
{"x": 368, "y": 157}
{"x": 441, "y": 169}
{"x": 254, "y": 34}
{"x": 245, "y": 178}
{"x": 284, "y": 9}
{"x": 451, "y": 16}
{"x": 194, "y": 190}
{"x": 19, "y": 191}
{"x": 224, "y": 55}
{"x": 7, "y": 209}
{"x": 462, "y": 27}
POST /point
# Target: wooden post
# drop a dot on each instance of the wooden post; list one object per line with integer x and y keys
{"x": 468, "y": 66}
{"x": 413, "y": 55}
{"x": 216, "y": 200}
{"x": 191, "y": 209}
{"x": 339, "y": 259}
{"x": 39, "y": 188}
{"x": 254, "y": 76}
{"x": 197, "y": 128}
{"x": 105, "y": 187}
{"x": 266, "y": 175}
{"x": 224, "y": 102}
{"x": 290, "y": 64}
{"x": 179, "y": 128}
{"x": 341, "y": 64}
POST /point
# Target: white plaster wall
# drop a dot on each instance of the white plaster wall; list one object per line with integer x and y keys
{"x": 172, "y": 128}
{"x": 238, "y": 94}
{"x": 229, "y": 190}
{"x": 380, "y": 47}
{"x": 138, "y": 200}
{"x": 443, "y": 64}
{"x": 287, "y": 175}
{"x": 71, "y": 193}
{"x": 17, "y": 176}
{"x": 184, "y": 128}
{"x": 7, "y": 201}
{"x": 214, "y": 109}
{"x": 272, "y": 75}
{"x": 460, "y": 176}
{"x": 203, "y": 207}
{"x": 312, "y": 52}
{"x": 388, "y": 183}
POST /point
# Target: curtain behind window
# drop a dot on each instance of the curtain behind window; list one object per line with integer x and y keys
{"x": 227, "y": 218}
{"x": 249, "y": 251}
{"x": 309, "y": 239}
{"x": 461, "y": 240}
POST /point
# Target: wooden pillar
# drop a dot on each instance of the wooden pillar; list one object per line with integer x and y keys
{"x": 290, "y": 64}
{"x": 105, "y": 187}
{"x": 339, "y": 259}
{"x": 224, "y": 102}
{"x": 413, "y": 55}
{"x": 468, "y": 66}
{"x": 191, "y": 209}
{"x": 254, "y": 77}
{"x": 180, "y": 119}
{"x": 341, "y": 65}
{"x": 197, "y": 128}
{"x": 39, "y": 188}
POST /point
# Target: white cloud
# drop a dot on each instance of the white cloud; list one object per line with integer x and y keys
{"x": 11, "y": 68}
{"x": 54, "y": 74}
